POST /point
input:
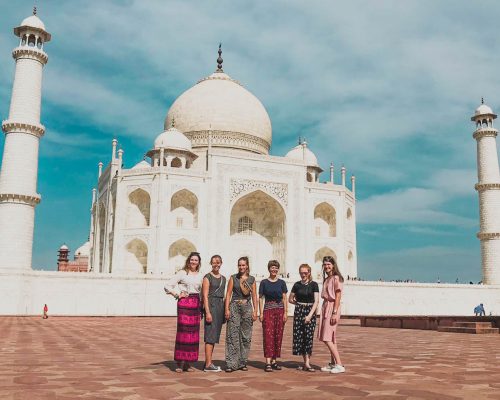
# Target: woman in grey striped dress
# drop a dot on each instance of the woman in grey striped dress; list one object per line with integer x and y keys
{"x": 214, "y": 285}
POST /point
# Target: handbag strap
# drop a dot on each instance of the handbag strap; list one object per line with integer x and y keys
{"x": 220, "y": 285}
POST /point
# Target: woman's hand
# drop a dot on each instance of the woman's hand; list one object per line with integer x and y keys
{"x": 208, "y": 317}
{"x": 307, "y": 319}
{"x": 254, "y": 316}
{"x": 183, "y": 294}
{"x": 333, "y": 319}
{"x": 227, "y": 314}
{"x": 285, "y": 317}
{"x": 261, "y": 317}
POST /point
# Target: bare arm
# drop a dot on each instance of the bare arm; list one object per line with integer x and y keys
{"x": 261, "y": 308}
{"x": 254, "y": 300}
{"x": 312, "y": 313}
{"x": 334, "y": 319}
{"x": 285, "y": 304}
{"x": 229, "y": 294}
{"x": 291, "y": 298}
{"x": 204, "y": 294}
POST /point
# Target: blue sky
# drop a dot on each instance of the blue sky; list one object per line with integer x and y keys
{"x": 385, "y": 87}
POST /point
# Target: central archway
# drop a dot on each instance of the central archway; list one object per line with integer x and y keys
{"x": 177, "y": 254}
{"x": 257, "y": 230}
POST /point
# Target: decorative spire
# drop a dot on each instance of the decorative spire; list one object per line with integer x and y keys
{"x": 482, "y": 100}
{"x": 172, "y": 125}
{"x": 300, "y": 140}
{"x": 220, "y": 60}
{"x": 34, "y": 10}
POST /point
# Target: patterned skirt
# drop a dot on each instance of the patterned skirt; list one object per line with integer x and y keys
{"x": 303, "y": 334}
{"x": 187, "y": 339}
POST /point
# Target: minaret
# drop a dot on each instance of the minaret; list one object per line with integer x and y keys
{"x": 18, "y": 177}
{"x": 488, "y": 187}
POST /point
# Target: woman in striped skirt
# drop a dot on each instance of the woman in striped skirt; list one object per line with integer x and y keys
{"x": 185, "y": 287}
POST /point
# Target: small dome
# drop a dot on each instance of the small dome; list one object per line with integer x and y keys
{"x": 33, "y": 22}
{"x": 483, "y": 109}
{"x": 220, "y": 104}
{"x": 302, "y": 152}
{"x": 173, "y": 139}
{"x": 63, "y": 247}
{"x": 83, "y": 250}
{"x": 141, "y": 165}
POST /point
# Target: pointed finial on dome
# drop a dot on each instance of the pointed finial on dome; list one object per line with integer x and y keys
{"x": 482, "y": 100}
{"x": 219, "y": 59}
{"x": 34, "y": 10}
{"x": 172, "y": 125}
{"x": 300, "y": 140}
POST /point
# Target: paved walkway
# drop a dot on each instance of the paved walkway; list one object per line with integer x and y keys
{"x": 130, "y": 358}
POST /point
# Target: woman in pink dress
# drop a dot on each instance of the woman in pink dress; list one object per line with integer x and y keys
{"x": 330, "y": 313}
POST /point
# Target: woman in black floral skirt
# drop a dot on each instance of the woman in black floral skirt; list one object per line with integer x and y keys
{"x": 305, "y": 296}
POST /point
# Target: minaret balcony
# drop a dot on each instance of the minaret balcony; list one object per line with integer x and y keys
{"x": 9, "y": 126}
{"x": 31, "y": 53}
{"x": 480, "y": 187}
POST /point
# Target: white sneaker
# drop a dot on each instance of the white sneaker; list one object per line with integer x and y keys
{"x": 338, "y": 369}
{"x": 328, "y": 368}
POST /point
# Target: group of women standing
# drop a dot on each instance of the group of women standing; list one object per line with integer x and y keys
{"x": 207, "y": 295}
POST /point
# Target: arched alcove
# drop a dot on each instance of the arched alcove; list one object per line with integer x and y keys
{"x": 176, "y": 163}
{"x": 177, "y": 254}
{"x": 258, "y": 230}
{"x": 318, "y": 260}
{"x": 184, "y": 209}
{"x": 325, "y": 219}
{"x": 138, "y": 210}
{"x": 136, "y": 256}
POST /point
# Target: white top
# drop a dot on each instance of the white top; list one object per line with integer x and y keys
{"x": 183, "y": 282}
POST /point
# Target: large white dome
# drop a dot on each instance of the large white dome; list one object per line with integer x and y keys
{"x": 223, "y": 109}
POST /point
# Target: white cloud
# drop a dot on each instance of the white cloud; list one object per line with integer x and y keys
{"x": 409, "y": 206}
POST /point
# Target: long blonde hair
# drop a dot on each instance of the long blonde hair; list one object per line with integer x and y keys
{"x": 335, "y": 271}
{"x": 308, "y": 267}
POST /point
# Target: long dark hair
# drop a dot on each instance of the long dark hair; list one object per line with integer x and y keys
{"x": 336, "y": 270}
{"x": 186, "y": 264}
{"x": 247, "y": 261}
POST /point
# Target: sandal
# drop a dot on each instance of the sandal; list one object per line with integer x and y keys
{"x": 178, "y": 370}
{"x": 228, "y": 370}
{"x": 268, "y": 368}
{"x": 275, "y": 366}
{"x": 308, "y": 369}
{"x": 244, "y": 368}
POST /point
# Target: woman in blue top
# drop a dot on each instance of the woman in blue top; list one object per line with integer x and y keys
{"x": 273, "y": 314}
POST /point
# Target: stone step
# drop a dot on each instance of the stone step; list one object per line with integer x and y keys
{"x": 473, "y": 324}
{"x": 460, "y": 329}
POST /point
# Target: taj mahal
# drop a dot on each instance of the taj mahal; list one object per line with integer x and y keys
{"x": 208, "y": 183}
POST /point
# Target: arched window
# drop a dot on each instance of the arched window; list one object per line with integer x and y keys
{"x": 309, "y": 177}
{"x": 176, "y": 163}
{"x": 349, "y": 214}
{"x": 25, "y": 39}
{"x": 39, "y": 43}
{"x": 245, "y": 225}
{"x": 31, "y": 41}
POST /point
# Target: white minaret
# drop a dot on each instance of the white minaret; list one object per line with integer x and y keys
{"x": 18, "y": 177}
{"x": 488, "y": 187}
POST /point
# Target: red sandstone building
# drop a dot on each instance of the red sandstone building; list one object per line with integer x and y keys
{"x": 80, "y": 262}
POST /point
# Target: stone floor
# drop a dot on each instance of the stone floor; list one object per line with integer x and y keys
{"x": 130, "y": 358}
